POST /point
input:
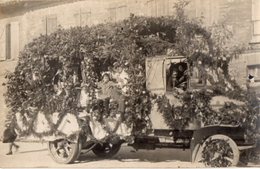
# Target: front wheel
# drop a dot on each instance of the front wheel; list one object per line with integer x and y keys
{"x": 106, "y": 150}
{"x": 218, "y": 151}
{"x": 63, "y": 151}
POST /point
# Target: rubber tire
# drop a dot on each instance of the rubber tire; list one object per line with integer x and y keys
{"x": 99, "y": 150}
{"x": 75, "y": 152}
{"x": 231, "y": 143}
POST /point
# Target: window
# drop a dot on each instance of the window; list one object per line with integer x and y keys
{"x": 51, "y": 24}
{"x": 83, "y": 18}
{"x": 200, "y": 76}
{"x": 162, "y": 7}
{"x": 8, "y": 41}
{"x": 256, "y": 17}
{"x": 122, "y": 10}
{"x": 117, "y": 11}
{"x": 176, "y": 76}
{"x": 256, "y": 27}
{"x": 208, "y": 10}
{"x": 112, "y": 14}
{"x": 151, "y": 7}
{"x": 77, "y": 19}
{"x": 11, "y": 40}
{"x": 255, "y": 10}
{"x": 2, "y": 42}
{"x": 254, "y": 70}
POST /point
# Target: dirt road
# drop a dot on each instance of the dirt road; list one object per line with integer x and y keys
{"x": 37, "y": 155}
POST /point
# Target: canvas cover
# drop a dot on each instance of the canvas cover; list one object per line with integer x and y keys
{"x": 155, "y": 72}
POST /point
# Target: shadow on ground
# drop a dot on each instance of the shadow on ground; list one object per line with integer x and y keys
{"x": 153, "y": 156}
{"x": 32, "y": 151}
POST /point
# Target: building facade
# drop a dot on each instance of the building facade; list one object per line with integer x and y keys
{"x": 22, "y": 21}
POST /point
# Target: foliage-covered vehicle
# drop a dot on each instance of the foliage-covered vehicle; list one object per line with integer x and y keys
{"x": 216, "y": 145}
{"x": 178, "y": 92}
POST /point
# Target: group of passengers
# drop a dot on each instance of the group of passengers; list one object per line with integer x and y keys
{"x": 112, "y": 87}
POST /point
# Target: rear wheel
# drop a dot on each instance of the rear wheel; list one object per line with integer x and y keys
{"x": 106, "y": 150}
{"x": 63, "y": 151}
{"x": 218, "y": 151}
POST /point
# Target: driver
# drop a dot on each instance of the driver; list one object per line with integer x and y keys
{"x": 181, "y": 77}
{"x": 178, "y": 77}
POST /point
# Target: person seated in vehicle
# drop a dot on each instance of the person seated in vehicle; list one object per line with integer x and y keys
{"x": 58, "y": 82}
{"x": 181, "y": 77}
{"x": 110, "y": 92}
{"x": 172, "y": 80}
{"x": 121, "y": 77}
{"x": 177, "y": 76}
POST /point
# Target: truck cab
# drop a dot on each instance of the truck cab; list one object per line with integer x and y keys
{"x": 166, "y": 73}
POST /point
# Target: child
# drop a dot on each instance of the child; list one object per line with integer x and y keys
{"x": 120, "y": 75}
{"x": 9, "y": 137}
{"x": 109, "y": 90}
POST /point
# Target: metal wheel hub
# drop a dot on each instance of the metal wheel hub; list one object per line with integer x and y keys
{"x": 63, "y": 149}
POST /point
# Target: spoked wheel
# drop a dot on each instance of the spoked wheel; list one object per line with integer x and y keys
{"x": 106, "y": 150}
{"x": 218, "y": 151}
{"x": 64, "y": 151}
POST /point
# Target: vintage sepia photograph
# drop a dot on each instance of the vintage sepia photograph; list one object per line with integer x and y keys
{"x": 129, "y": 83}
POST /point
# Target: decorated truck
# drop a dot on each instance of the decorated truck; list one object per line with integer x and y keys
{"x": 216, "y": 145}
{"x": 170, "y": 88}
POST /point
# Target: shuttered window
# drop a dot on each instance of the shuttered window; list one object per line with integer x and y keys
{"x": 8, "y": 41}
{"x": 112, "y": 14}
{"x": 256, "y": 17}
{"x": 51, "y": 24}
{"x": 151, "y": 6}
{"x": 82, "y": 18}
{"x": 85, "y": 18}
{"x": 122, "y": 12}
{"x": 2, "y": 42}
{"x": 15, "y": 45}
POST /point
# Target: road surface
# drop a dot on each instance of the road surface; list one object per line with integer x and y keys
{"x": 37, "y": 155}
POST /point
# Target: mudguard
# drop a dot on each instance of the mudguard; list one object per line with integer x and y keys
{"x": 199, "y": 136}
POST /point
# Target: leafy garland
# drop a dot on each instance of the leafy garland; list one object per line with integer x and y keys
{"x": 87, "y": 52}
{"x": 220, "y": 147}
